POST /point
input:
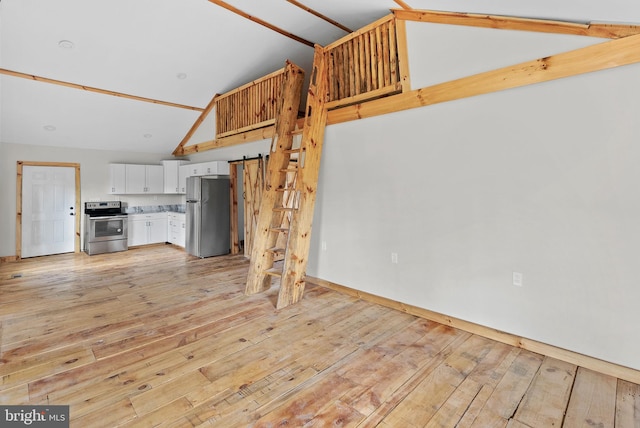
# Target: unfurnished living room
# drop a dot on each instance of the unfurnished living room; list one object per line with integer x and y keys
{"x": 319, "y": 213}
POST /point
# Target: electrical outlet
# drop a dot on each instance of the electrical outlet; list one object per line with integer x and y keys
{"x": 394, "y": 258}
{"x": 517, "y": 279}
{"x": 324, "y": 245}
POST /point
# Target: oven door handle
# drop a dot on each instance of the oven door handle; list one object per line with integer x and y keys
{"x": 109, "y": 217}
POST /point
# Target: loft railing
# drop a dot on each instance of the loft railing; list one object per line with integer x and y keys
{"x": 364, "y": 64}
{"x": 250, "y": 106}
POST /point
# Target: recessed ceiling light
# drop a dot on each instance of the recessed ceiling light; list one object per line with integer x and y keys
{"x": 147, "y": 135}
{"x": 49, "y": 128}
{"x": 181, "y": 76}
{"x": 65, "y": 44}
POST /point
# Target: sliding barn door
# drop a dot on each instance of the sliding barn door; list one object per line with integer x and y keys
{"x": 253, "y": 184}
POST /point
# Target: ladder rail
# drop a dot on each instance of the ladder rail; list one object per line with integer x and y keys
{"x": 292, "y": 282}
{"x": 265, "y": 236}
{"x": 286, "y": 210}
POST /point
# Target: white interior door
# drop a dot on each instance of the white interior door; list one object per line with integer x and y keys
{"x": 48, "y": 210}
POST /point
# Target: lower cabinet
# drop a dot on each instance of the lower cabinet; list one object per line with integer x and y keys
{"x": 176, "y": 229}
{"x": 147, "y": 228}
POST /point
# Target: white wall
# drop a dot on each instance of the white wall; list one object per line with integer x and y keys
{"x": 541, "y": 180}
{"x": 94, "y": 180}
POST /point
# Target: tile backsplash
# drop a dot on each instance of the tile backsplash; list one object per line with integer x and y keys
{"x": 154, "y": 208}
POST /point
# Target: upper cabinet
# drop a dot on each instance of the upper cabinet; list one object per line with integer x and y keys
{"x": 194, "y": 169}
{"x": 170, "y": 177}
{"x": 183, "y": 173}
{"x": 135, "y": 179}
{"x": 154, "y": 178}
{"x": 174, "y": 179}
{"x": 208, "y": 168}
{"x": 215, "y": 168}
{"x": 117, "y": 181}
{"x": 144, "y": 178}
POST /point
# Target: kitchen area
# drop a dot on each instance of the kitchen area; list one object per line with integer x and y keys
{"x": 192, "y": 210}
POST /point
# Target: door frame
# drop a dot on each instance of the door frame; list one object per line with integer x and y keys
{"x": 20, "y": 164}
{"x": 233, "y": 206}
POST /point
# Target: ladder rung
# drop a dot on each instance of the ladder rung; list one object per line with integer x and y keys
{"x": 289, "y": 170}
{"x": 296, "y": 150}
{"x": 277, "y": 250}
{"x": 285, "y": 189}
{"x": 279, "y": 229}
{"x": 297, "y": 131}
{"x": 286, "y": 209}
{"x": 274, "y": 272}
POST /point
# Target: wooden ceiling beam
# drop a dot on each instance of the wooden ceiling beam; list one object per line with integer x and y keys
{"x": 196, "y": 124}
{"x": 91, "y": 89}
{"x": 261, "y": 22}
{"x": 244, "y": 137}
{"x": 609, "y": 31}
{"x": 232, "y": 140}
{"x": 319, "y": 15}
{"x": 403, "y": 5}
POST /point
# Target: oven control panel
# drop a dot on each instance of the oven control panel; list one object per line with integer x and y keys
{"x": 102, "y": 205}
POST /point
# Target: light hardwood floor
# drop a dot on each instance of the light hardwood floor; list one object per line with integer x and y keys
{"x": 153, "y": 336}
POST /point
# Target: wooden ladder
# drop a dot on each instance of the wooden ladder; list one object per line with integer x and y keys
{"x": 288, "y": 200}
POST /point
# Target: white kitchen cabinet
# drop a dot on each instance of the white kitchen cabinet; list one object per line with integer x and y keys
{"x": 194, "y": 169}
{"x": 215, "y": 168}
{"x": 117, "y": 178}
{"x": 144, "y": 178}
{"x": 147, "y": 228}
{"x": 137, "y": 231}
{"x": 209, "y": 168}
{"x": 176, "y": 229}
{"x": 183, "y": 173}
{"x": 173, "y": 182}
{"x": 158, "y": 230}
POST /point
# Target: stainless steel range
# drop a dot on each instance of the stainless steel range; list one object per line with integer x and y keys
{"x": 105, "y": 227}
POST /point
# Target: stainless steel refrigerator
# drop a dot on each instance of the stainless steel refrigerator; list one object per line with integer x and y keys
{"x": 207, "y": 216}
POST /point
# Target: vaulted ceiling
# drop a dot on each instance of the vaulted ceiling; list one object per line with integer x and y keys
{"x": 172, "y": 56}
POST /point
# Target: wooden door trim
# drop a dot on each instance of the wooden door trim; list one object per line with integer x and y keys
{"x": 233, "y": 180}
{"x": 20, "y": 164}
